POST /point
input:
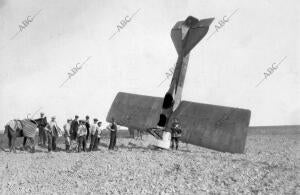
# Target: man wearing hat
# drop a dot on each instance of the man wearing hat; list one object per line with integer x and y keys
{"x": 175, "y": 133}
{"x": 74, "y": 128}
{"x": 87, "y": 125}
{"x": 93, "y": 132}
{"x": 113, "y": 128}
{"x": 52, "y": 134}
{"x": 41, "y": 126}
{"x": 98, "y": 135}
{"x": 82, "y": 131}
{"x": 67, "y": 128}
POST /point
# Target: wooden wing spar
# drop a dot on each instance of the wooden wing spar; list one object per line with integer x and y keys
{"x": 211, "y": 126}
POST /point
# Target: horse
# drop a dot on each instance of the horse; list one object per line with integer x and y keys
{"x": 21, "y": 128}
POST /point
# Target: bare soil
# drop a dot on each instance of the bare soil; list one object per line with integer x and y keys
{"x": 270, "y": 165}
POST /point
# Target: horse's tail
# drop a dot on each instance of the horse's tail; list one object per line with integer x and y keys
{"x": 6, "y": 129}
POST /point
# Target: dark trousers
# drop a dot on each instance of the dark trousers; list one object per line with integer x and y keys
{"x": 176, "y": 140}
{"x": 113, "y": 140}
{"x": 24, "y": 141}
{"x": 53, "y": 143}
{"x": 82, "y": 143}
{"x": 42, "y": 136}
{"x": 87, "y": 134}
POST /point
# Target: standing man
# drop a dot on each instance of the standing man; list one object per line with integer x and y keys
{"x": 82, "y": 131}
{"x": 41, "y": 126}
{"x": 74, "y": 130}
{"x": 67, "y": 128}
{"x": 52, "y": 134}
{"x": 113, "y": 134}
{"x": 87, "y": 125}
{"x": 93, "y": 134}
{"x": 98, "y": 132}
{"x": 175, "y": 133}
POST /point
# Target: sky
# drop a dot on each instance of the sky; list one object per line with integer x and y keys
{"x": 224, "y": 68}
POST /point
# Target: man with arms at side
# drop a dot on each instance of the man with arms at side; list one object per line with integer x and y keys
{"x": 98, "y": 132}
{"x": 82, "y": 136}
{"x": 175, "y": 133}
{"x": 93, "y": 131}
{"x": 113, "y": 128}
{"x": 73, "y": 131}
{"x": 41, "y": 126}
{"x": 67, "y": 128}
{"x": 87, "y": 125}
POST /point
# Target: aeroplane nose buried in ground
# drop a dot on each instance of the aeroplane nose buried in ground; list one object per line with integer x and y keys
{"x": 211, "y": 126}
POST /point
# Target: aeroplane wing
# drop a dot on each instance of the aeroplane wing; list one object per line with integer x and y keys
{"x": 135, "y": 111}
{"x": 215, "y": 127}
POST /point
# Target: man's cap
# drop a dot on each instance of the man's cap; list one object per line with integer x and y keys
{"x": 76, "y": 116}
{"x": 53, "y": 117}
{"x": 95, "y": 119}
{"x": 42, "y": 113}
{"x": 87, "y": 116}
{"x": 69, "y": 119}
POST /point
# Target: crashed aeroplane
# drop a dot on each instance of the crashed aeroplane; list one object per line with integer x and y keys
{"x": 211, "y": 126}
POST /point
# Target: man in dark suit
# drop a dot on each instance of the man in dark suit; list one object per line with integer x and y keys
{"x": 175, "y": 133}
{"x": 41, "y": 126}
{"x": 113, "y": 134}
{"x": 74, "y": 128}
{"x": 87, "y": 125}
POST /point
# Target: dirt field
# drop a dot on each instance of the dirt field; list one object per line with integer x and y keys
{"x": 270, "y": 165}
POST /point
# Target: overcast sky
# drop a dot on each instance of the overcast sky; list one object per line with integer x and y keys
{"x": 222, "y": 70}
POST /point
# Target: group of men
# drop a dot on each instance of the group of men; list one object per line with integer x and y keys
{"x": 80, "y": 132}
{"x": 75, "y": 131}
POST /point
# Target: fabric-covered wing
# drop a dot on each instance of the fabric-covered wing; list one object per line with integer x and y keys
{"x": 29, "y": 128}
{"x": 215, "y": 127}
{"x": 135, "y": 111}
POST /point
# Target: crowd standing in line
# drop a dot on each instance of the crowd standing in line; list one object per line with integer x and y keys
{"x": 77, "y": 133}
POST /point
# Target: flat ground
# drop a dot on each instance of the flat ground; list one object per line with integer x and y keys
{"x": 270, "y": 165}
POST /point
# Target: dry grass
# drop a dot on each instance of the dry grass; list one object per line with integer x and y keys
{"x": 269, "y": 166}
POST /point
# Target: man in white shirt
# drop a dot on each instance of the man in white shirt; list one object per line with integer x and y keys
{"x": 93, "y": 132}
{"x": 52, "y": 134}
{"x": 67, "y": 128}
{"x": 82, "y": 132}
{"x": 98, "y": 132}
